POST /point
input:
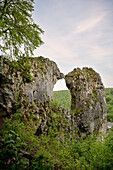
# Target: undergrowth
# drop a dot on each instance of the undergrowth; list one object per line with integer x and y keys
{"x": 48, "y": 151}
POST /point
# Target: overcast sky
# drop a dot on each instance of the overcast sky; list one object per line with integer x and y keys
{"x": 78, "y": 33}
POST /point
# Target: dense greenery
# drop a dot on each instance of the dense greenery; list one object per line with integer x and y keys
{"x": 19, "y": 35}
{"x": 63, "y": 99}
{"x": 109, "y": 100}
{"x": 50, "y": 153}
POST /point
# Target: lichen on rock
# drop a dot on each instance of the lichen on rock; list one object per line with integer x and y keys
{"x": 32, "y": 79}
{"x": 87, "y": 100}
{"x": 26, "y": 86}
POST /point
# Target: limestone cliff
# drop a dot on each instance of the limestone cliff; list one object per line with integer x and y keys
{"x": 26, "y": 86}
{"x": 87, "y": 100}
{"x": 28, "y": 80}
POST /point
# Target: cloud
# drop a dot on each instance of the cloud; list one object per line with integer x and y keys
{"x": 107, "y": 80}
{"x": 77, "y": 34}
{"x": 60, "y": 85}
{"x": 88, "y": 24}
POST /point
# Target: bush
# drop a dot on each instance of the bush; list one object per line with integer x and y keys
{"x": 54, "y": 150}
{"x": 10, "y": 158}
{"x": 42, "y": 161}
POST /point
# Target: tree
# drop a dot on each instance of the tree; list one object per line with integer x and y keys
{"x": 19, "y": 35}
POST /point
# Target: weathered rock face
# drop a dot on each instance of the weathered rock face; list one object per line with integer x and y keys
{"x": 87, "y": 100}
{"x": 27, "y": 80}
{"x": 27, "y": 86}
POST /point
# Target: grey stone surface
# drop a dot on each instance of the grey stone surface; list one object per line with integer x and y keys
{"x": 14, "y": 86}
{"x": 87, "y": 100}
{"x": 28, "y": 87}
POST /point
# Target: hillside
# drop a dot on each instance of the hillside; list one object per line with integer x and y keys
{"x": 63, "y": 99}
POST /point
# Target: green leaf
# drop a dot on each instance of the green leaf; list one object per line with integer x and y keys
{"x": 19, "y": 34}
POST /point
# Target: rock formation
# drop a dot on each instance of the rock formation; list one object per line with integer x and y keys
{"x": 27, "y": 85}
{"x": 87, "y": 100}
{"x": 29, "y": 80}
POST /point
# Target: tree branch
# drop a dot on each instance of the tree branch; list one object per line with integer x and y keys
{"x": 5, "y": 4}
{"x": 26, "y": 154}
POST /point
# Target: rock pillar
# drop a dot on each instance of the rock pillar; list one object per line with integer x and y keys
{"x": 87, "y": 100}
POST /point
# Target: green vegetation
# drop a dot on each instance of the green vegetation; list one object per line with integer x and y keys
{"x": 24, "y": 66}
{"x": 109, "y": 100}
{"x": 10, "y": 157}
{"x": 47, "y": 151}
{"x": 18, "y": 32}
{"x": 63, "y": 98}
{"x": 55, "y": 149}
{"x": 89, "y": 72}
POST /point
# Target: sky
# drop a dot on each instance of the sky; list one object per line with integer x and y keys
{"x": 77, "y": 33}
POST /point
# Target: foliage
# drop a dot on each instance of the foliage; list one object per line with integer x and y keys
{"x": 63, "y": 98}
{"x": 42, "y": 161}
{"x": 24, "y": 66}
{"x": 19, "y": 34}
{"x": 109, "y": 100}
{"x": 10, "y": 158}
{"x": 48, "y": 151}
{"x": 94, "y": 154}
{"x": 54, "y": 150}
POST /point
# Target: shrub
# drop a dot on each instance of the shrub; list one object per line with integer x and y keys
{"x": 10, "y": 158}
{"x": 42, "y": 161}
